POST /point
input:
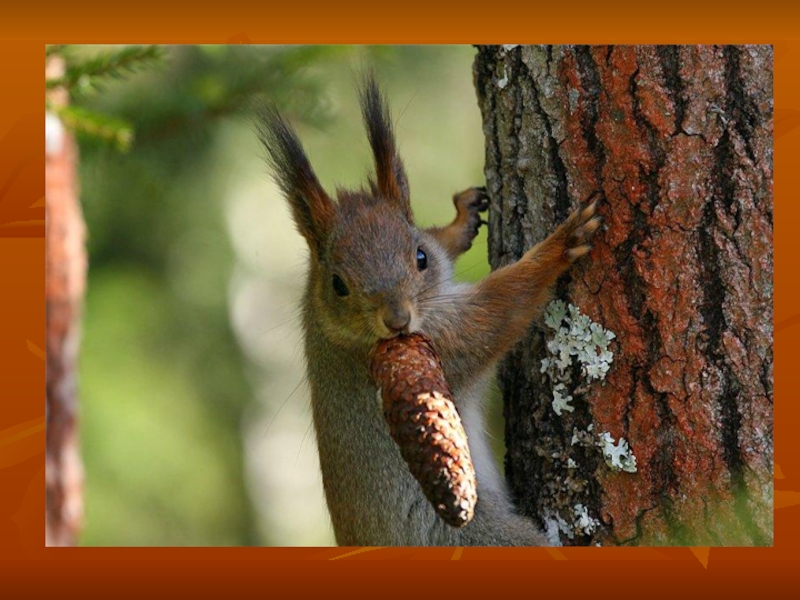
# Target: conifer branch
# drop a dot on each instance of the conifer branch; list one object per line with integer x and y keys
{"x": 116, "y": 132}
{"x": 85, "y": 76}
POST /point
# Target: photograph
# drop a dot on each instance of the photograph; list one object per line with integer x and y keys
{"x": 409, "y": 295}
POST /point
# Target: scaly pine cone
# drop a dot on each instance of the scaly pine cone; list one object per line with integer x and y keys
{"x": 424, "y": 422}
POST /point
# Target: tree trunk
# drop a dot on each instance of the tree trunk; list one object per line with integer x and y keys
{"x": 65, "y": 285}
{"x": 678, "y": 142}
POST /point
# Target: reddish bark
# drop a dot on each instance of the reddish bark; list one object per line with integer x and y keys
{"x": 65, "y": 284}
{"x": 679, "y": 141}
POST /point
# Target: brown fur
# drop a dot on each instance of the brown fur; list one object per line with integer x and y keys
{"x": 368, "y": 240}
{"x": 456, "y": 238}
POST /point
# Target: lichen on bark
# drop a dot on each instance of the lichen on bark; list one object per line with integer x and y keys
{"x": 678, "y": 140}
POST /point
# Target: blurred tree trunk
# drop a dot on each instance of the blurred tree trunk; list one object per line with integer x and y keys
{"x": 65, "y": 285}
{"x": 678, "y": 140}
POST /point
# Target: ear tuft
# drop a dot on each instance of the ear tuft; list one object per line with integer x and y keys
{"x": 312, "y": 209}
{"x": 391, "y": 176}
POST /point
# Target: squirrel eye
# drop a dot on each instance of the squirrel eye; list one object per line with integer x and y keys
{"x": 339, "y": 286}
{"x": 422, "y": 260}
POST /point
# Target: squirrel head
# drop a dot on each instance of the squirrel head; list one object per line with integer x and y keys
{"x": 373, "y": 273}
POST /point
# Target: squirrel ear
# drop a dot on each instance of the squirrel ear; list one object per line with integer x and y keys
{"x": 313, "y": 210}
{"x": 392, "y": 182}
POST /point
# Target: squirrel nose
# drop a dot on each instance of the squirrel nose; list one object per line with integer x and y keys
{"x": 397, "y": 319}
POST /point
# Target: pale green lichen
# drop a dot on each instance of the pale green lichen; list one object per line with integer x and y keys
{"x": 578, "y": 354}
{"x": 618, "y": 455}
{"x": 584, "y": 524}
{"x": 561, "y": 401}
{"x": 580, "y": 523}
{"x": 577, "y": 342}
{"x": 555, "y": 523}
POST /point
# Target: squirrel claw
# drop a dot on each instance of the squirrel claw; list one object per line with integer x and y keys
{"x": 474, "y": 198}
{"x": 580, "y": 228}
{"x": 469, "y": 204}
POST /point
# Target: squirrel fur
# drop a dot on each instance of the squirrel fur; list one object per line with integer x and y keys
{"x": 373, "y": 274}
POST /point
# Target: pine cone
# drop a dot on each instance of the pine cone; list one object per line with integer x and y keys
{"x": 424, "y": 422}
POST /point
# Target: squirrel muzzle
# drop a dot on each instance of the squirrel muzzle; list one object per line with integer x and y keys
{"x": 395, "y": 318}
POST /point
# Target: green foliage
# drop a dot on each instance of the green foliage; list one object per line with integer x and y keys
{"x": 84, "y": 76}
{"x": 160, "y": 469}
{"x": 116, "y": 132}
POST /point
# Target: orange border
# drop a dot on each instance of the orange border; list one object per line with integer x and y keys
{"x": 280, "y": 572}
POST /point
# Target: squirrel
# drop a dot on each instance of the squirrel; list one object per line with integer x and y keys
{"x": 374, "y": 274}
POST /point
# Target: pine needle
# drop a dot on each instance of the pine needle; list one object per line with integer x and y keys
{"x": 114, "y": 131}
{"x": 86, "y": 76}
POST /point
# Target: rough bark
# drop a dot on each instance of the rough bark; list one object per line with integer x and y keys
{"x": 678, "y": 140}
{"x": 65, "y": 285}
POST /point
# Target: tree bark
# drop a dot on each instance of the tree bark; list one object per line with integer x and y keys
{"x": 65, "y": 285}
{"x": 678, "y": 141}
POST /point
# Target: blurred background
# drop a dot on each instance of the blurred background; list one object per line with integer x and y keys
{"x": 195, "y": 418}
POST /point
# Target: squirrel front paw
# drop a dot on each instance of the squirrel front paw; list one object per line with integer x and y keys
{"x": 578, "y": 230}
{"x": 469, "y": 205}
